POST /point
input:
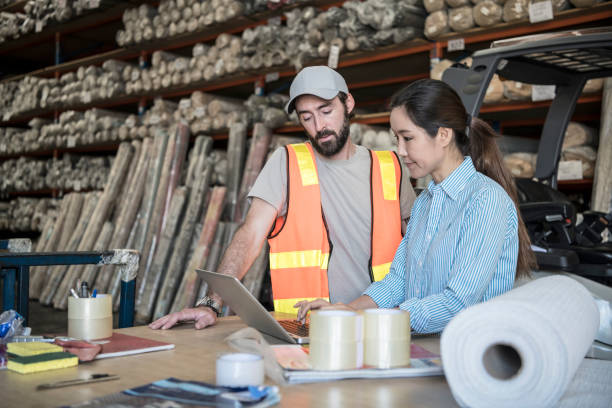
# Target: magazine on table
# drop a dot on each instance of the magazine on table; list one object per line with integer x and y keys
{"x": 176, "y": 393}
{"x": 296, "y": 366}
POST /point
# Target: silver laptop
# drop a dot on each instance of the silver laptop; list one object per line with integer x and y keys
{"x": 245, "y": 305}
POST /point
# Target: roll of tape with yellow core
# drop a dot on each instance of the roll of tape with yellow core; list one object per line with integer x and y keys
{"x": 336, "y": 340}
{"x": 90, "y": 318}
{"x": 386, "y": 338}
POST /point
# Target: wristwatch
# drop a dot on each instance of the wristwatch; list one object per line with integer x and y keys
{"x": 211, "y": 303}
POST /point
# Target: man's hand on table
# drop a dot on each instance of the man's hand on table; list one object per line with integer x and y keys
{"x": 201, "y": 316}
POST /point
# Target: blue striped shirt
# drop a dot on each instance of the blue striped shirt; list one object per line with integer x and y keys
{"x": 460, "y": 248}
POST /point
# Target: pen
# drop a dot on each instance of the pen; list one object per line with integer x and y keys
{"x": 94, "y": 293}
{"x": 84, "y": 290}
{"x": 73, "y": 292}
{"x": 78, "y": 381}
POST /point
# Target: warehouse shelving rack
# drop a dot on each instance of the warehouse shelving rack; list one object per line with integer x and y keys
{"x": 363, "y": 70}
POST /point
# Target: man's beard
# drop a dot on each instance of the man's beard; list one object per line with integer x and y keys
{"x": 337, "y": 142}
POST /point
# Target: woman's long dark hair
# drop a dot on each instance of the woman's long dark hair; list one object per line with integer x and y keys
{"x": 432, "y": 104}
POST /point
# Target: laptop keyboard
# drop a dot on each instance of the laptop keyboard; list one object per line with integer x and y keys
{"x": 294, "y": 327}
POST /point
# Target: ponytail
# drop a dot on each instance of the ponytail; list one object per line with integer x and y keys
{"x": 487, "y": 159}
{"x": 432, "y": 104}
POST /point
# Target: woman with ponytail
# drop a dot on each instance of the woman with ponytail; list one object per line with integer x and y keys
{"x": 465, "y": 242}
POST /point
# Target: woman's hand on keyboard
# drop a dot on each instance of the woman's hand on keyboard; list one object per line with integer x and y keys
{"x": 306, "y": 306}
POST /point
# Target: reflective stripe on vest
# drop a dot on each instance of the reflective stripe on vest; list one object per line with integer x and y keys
{"x": 386, "y": 215}
{"x": 284, "y": 260}
{"x": 308, "y": 170}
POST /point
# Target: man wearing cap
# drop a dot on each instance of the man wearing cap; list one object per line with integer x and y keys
{"x": 333, "y": 212}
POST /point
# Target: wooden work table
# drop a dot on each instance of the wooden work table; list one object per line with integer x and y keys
{"x": 194, "y": 359}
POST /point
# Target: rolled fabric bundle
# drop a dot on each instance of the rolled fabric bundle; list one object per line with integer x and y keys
{"x": 384, "y": 141}
{"x": 521, "y": 348}
{"x": 356, "y": 132}
{"x": 495, "y": 91}
{"x": 274, "y": 117}
{"x": 578, "y": 134}
{"x": 487, "y": 13}
{"x": 403, "y": 34}
{"x": 461, "y": 19}
{"x": 515, "y": 10}
{"x": 438, "y": 69}
{"x": 436, "y": 24}
{"x": 457, "y": 3}
{"x": 521, "y": 164}
{"x": 369, "y": 138}
{"x": 517, "y": 91}
{"x": 434, "y": 5}
{"x": 588, "y": 169}
{"x": 200, "y": 49}
{"x": 593, "y": 85}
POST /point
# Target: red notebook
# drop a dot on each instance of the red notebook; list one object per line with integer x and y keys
{"x": 124, "y": 345}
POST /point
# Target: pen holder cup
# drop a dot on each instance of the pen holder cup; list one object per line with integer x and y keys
{"x": 90, "y": 318}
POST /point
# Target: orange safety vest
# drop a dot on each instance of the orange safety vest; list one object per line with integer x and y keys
{"x": 299, "y": 242}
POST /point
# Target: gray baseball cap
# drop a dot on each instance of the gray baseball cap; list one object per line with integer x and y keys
{"x": 321, "y": 81}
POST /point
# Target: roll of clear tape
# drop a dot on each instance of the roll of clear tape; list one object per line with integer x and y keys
{"x": 335, "y": 324}
{"x": 336, "y": 355}
{"x": 90, "y": 318}
{"x": 336, "y": 340}
{"x": 386, "y": 324}
{"x": 240, "y": 370}
{"x": 386, "y": 338}
{"x": 387, "y": 353}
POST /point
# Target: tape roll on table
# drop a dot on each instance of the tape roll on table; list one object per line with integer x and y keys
{"x": 240, "y": 370}
{"x": 336, "y": 355}
{"x": 386, "y": 338}
{"x": 335, "y": 324}
{"x": 336, "y": 340}
{"x": 90, "y": 318}
{"x": 387, "y": 354}
{"x": 521, "y": 348}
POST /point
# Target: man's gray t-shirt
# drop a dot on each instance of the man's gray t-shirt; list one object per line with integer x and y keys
{"x": 345, "y": 197}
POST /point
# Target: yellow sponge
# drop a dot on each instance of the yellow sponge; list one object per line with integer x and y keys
{"x": 41, "y": 362}
{"x": 32, "y": 349}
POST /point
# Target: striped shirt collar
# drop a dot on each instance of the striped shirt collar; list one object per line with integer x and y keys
{"x": 456, "y": 181}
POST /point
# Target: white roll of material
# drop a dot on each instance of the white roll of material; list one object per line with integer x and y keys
{"x": 240, "y": 370}
{"x": 522, "y": 348}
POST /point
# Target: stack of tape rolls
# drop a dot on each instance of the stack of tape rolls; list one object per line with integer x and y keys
{"x": 520, "y": 349}
{"x": 336, "y": 340}
{"x": 386, "y": 338}
{"x": 240, "y": 370}
{"x": 90, "y": 318}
